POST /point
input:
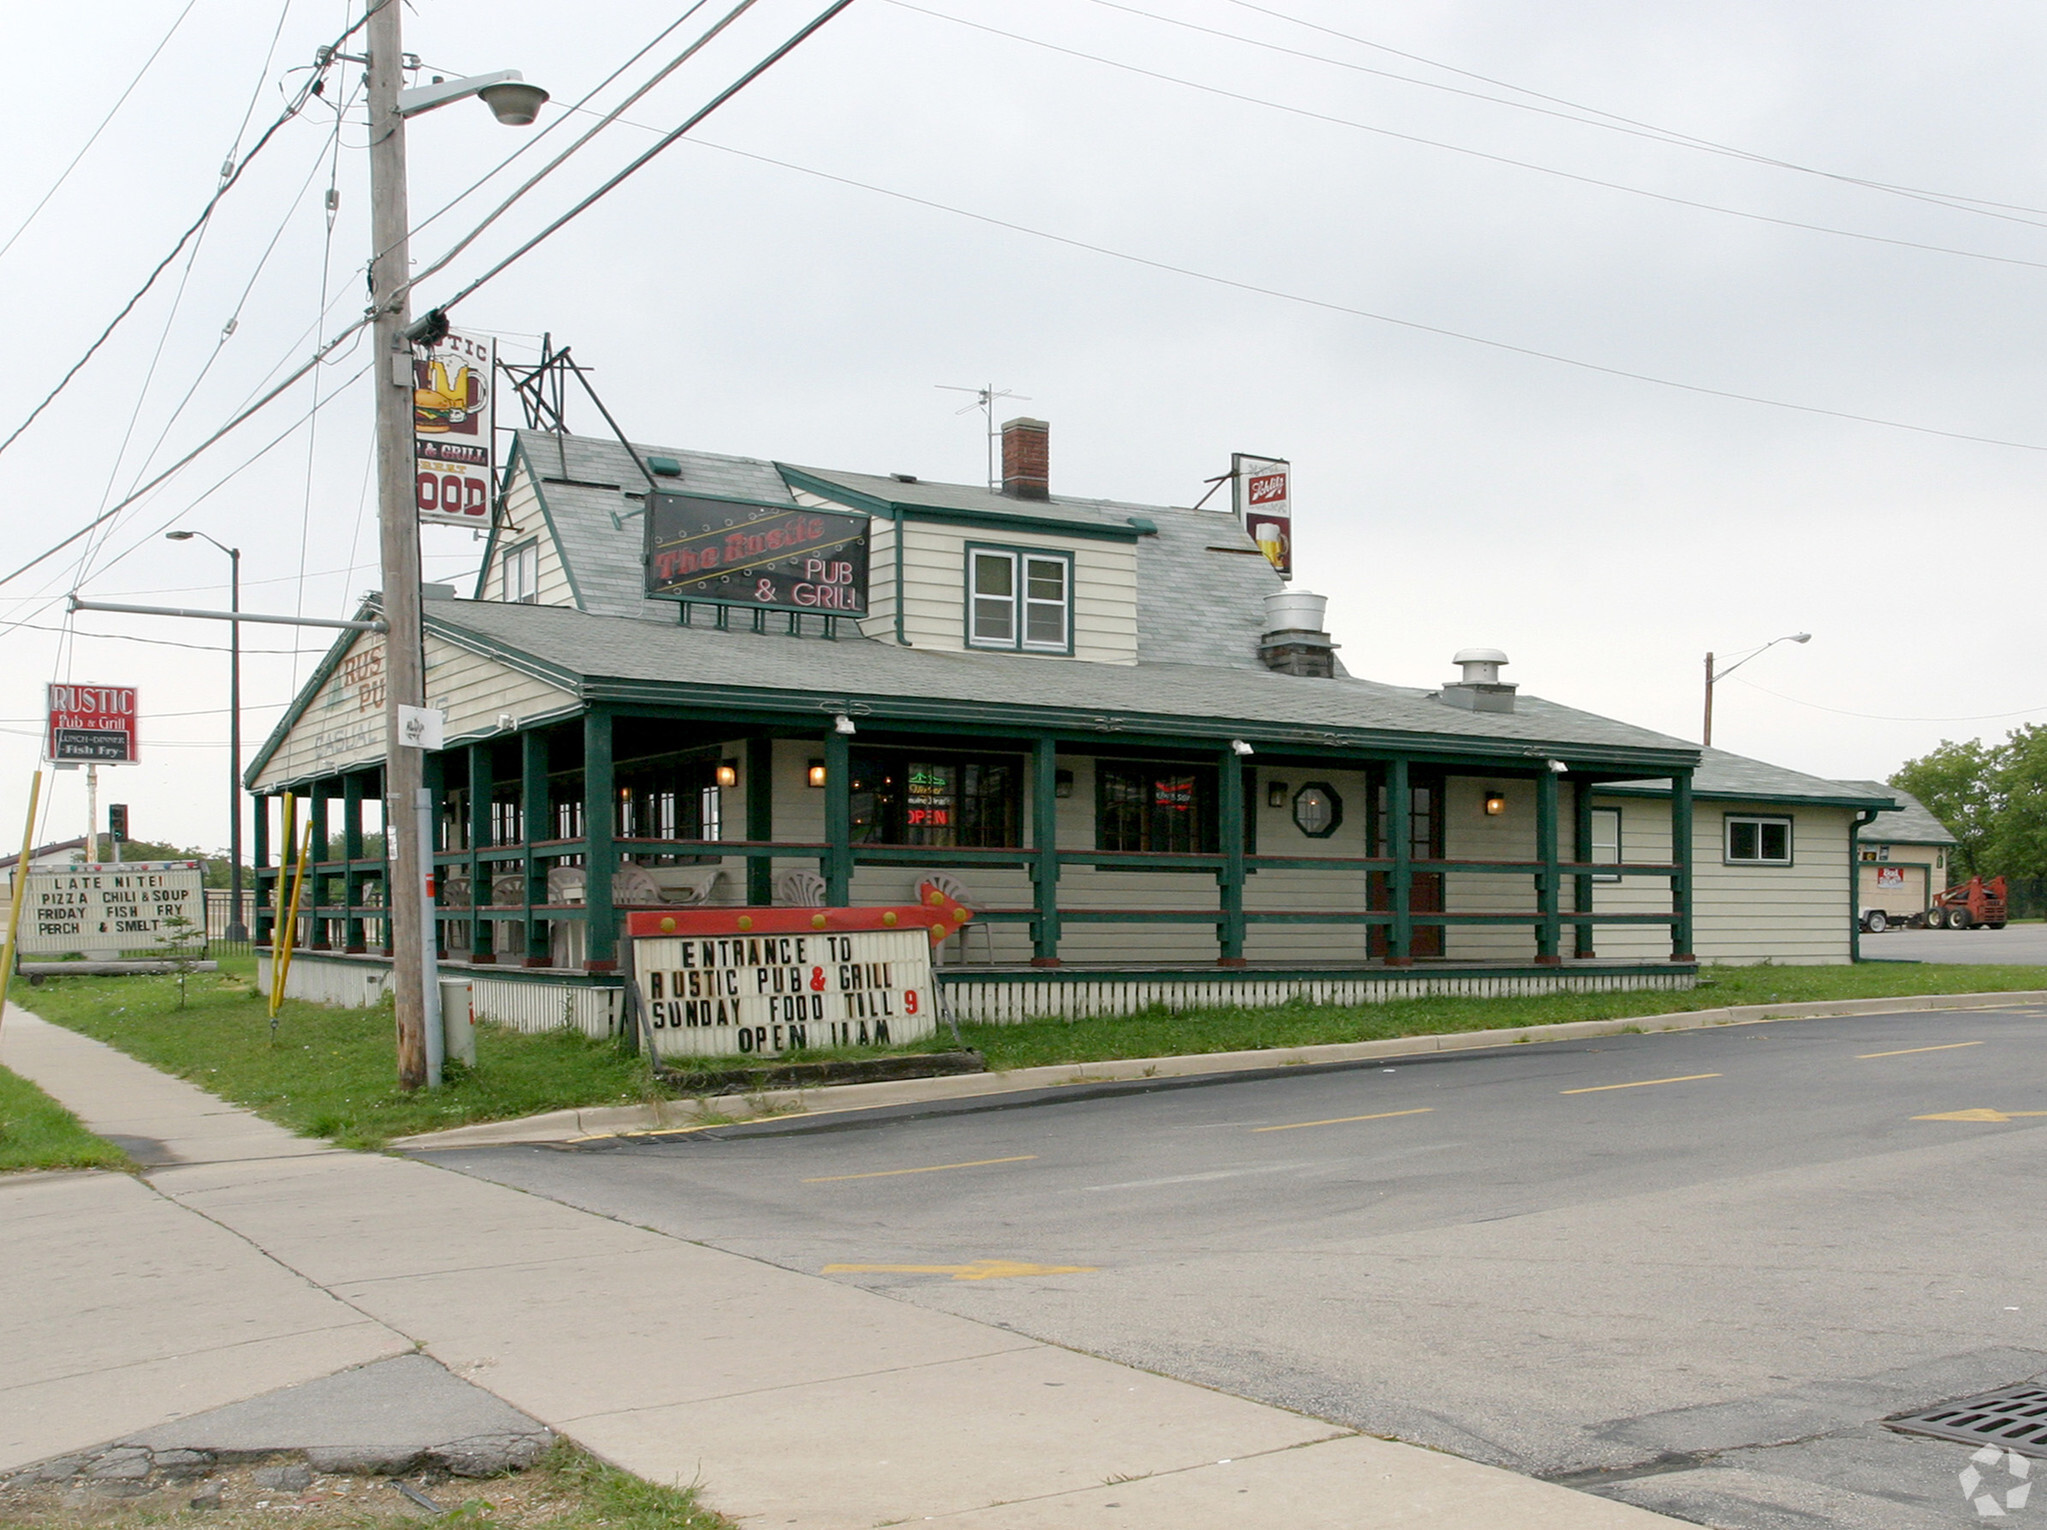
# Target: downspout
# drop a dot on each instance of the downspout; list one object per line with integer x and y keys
{"x": 901, "y": 640}
{"x": 1862, "y": 821}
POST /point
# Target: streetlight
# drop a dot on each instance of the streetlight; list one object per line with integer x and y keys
{"x": 1712, "y": 675}
{"x": 236, "y": 929}
{"x": 514, "y": 103}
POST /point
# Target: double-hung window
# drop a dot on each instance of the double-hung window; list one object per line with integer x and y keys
{"x": 522, "y": 573}
{"x": 1758, "y": 841}
{"x": 1020, "y": 599}
{"x": 1606, "y": 841}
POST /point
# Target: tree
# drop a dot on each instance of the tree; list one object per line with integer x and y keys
{"x": 1962, "y": 786}
{"x": 2020, "y": 846}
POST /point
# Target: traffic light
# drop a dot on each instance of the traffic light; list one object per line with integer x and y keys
{"x": 117, "y": 822}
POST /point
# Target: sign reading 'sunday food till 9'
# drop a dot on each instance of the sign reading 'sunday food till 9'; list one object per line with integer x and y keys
{"x": 766, "y": 993}
{"x": 781, "y": 557}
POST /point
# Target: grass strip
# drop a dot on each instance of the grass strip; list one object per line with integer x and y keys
{"x": 1162, "y": 1032}
{"x": 38, "y": 1133}
{"x": 329, "y": 1072}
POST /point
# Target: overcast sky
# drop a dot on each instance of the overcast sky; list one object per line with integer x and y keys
{"x": 1605, "y": 531}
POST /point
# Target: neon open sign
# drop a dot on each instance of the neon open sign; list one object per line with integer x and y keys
{"x": 729, "y": 552}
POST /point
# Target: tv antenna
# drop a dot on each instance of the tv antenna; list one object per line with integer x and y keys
{"x": 984, "y": 400}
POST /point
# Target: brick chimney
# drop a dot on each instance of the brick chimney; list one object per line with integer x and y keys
{"x": 1026, "y": 459}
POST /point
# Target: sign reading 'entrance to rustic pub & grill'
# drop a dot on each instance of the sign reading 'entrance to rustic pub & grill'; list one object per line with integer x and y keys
{"x": 761, "y": 981}
{"x": 777, "y": 557}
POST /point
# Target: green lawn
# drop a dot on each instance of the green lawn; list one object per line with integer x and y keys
{"x": 1163, "y": 1033}
{"x": 330, "y": 1073}
{"x": 38, "y": 1133}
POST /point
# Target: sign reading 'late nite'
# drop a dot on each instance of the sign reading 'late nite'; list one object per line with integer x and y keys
{"x": 726, "y": 552}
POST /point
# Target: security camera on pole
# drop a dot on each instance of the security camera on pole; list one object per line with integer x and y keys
{"x": 397, "y": 521}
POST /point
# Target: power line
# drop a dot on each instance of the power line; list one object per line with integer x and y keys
{"x": 1880, "y": 717}
{"x": 1453, "y": 148}
{"x": 1954, "y": 201}
{"x": 773, "y": 58}
{"x": 1329, "y": 306}
{"x": 112, "y": 112}
{"x": 227, "y": 184}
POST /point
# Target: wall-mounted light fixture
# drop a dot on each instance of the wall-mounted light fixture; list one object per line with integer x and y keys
{"x": 817, "y": 772}
{"x": 1275, "y": 794}
{"x": 1559, "y": 767}
{"x": 1495, "y": 802}
{"x": 728, "y": 773}
{"x": 843, "y": 724}
{"x": 1241, "y": 749}
{"x": 1062, "y": 783}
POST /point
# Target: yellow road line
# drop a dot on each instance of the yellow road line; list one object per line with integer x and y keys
{"x": 1908, "y": 1051}
{"x": 980, "y": 1269}
{"x": 1384, "y": 1115}
{"x": 1643, "y": 1083}
{"x": 978, "y": 1163}
{"x": 1981, "y": 1113}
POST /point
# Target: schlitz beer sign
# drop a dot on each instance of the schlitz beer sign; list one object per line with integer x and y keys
{"x": 778, "y": 557}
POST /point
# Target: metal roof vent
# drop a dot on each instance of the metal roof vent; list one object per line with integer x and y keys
{"x": 1480, "y": 689}
{"x": 1294, "y": 642}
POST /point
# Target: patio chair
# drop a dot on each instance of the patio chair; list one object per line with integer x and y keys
{"x": 956, "y": 890}
{"x": 800, "y": 889}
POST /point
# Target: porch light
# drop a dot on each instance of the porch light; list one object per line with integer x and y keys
{"x": 1495, "y": 802}
{"x": 1275, "y": 794}
{"x": 843, "y": 724}
{"x": 817, "y": 772}
{"x": 1062, "y": 783}
{"x": 728, "y": 773}
{"x": 1241, "y": 749}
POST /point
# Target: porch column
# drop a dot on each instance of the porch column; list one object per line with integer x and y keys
{"x": 1548, "y": 883}
{"x": 838, "y": 819}
{"x": 351, "y": 851}
{"x": 760, "y": 817}
{"x": 1581, "y": 852}
{"x": 1230, "y": 823}
{"x": 482, "y": 932}
{"x": 384, "y": 872}
{"x": 1681, "y": 858}
{"x": 1045, "y": 852}
{"x": 316, "y": 837}
{"x": 433, "y": 775}
{"x": 600, "y": 825}
{"x": 1400, "y": 883}
{"x": 533, "y": 824}
{"x": 259, "y": 864}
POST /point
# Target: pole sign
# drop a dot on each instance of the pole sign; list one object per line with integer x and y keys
{"x": 91, "y": 724}
{"x": 105, "y": 907}
{"x": 453, "y": 411}
{"x": 736, "y": 553}
{"x": 1263, "y": 491}
{"x": 762, "y": 981}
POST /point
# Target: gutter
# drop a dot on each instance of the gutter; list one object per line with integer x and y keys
{"x": 1860, "y": 822}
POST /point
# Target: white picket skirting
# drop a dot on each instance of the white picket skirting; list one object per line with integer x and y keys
{"x": 521, "y": 1004}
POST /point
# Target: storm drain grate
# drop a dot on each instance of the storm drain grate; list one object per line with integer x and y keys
{"x": 2014, "y": 1419}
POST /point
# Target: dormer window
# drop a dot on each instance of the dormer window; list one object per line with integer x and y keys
{"x": 522, "y": 573}
{"x": 1018, "y": 598}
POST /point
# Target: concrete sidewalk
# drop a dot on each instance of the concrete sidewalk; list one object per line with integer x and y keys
{"x": 245, "y": 1259}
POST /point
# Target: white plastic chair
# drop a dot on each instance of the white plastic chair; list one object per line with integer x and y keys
{"x": 956, "y": 890}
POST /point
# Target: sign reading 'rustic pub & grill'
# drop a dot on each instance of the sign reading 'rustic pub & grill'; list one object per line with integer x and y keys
{"x": 778, "y": 557}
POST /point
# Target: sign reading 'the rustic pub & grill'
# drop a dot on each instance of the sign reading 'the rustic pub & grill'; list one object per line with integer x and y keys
{"x": 778, "y": 557}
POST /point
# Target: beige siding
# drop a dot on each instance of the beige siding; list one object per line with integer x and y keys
{"x": 522, "y": 522}
{"x": 1796, "y": 914}
{"x": 1470, "y": 834}
{"x": 343, "y": 724}
{"x": 1924, "y": 869}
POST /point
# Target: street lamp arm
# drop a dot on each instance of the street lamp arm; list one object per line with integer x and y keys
{"x": 1789, "y": 637}
{"x": 424, "y": 98}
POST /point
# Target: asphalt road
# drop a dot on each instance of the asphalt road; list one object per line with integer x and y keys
{"x": 1688, "y": 1270}
{"x": 2015, "y": 943}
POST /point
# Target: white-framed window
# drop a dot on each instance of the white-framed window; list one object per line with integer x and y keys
{"x": 522, "y": 573}
{"x": 1752, "y": 841}
{"x": 1606, "y": 840}
{"x": 1019, "y": 598}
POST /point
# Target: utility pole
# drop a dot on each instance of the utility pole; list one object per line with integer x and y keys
{"x": 237, "y": 928}
{"x": 398, "y": 533}
{"x": 1706, "y": 733}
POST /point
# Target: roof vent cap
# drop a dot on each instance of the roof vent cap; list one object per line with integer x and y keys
{"x": 1481, "y": 666}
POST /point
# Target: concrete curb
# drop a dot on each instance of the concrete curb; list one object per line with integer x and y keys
{"x": 724, "y": 1110}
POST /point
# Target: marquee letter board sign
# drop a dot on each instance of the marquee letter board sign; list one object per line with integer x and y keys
{"x": 763, "y": 981}
{"x": 105, "y": 907}
{"x": 777, "y": 557}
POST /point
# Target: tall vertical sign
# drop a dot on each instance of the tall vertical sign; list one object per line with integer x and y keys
{"x": 453, "y": 411}
{"x": 1262, "y": 489}
{"x": 91, "y": 724}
